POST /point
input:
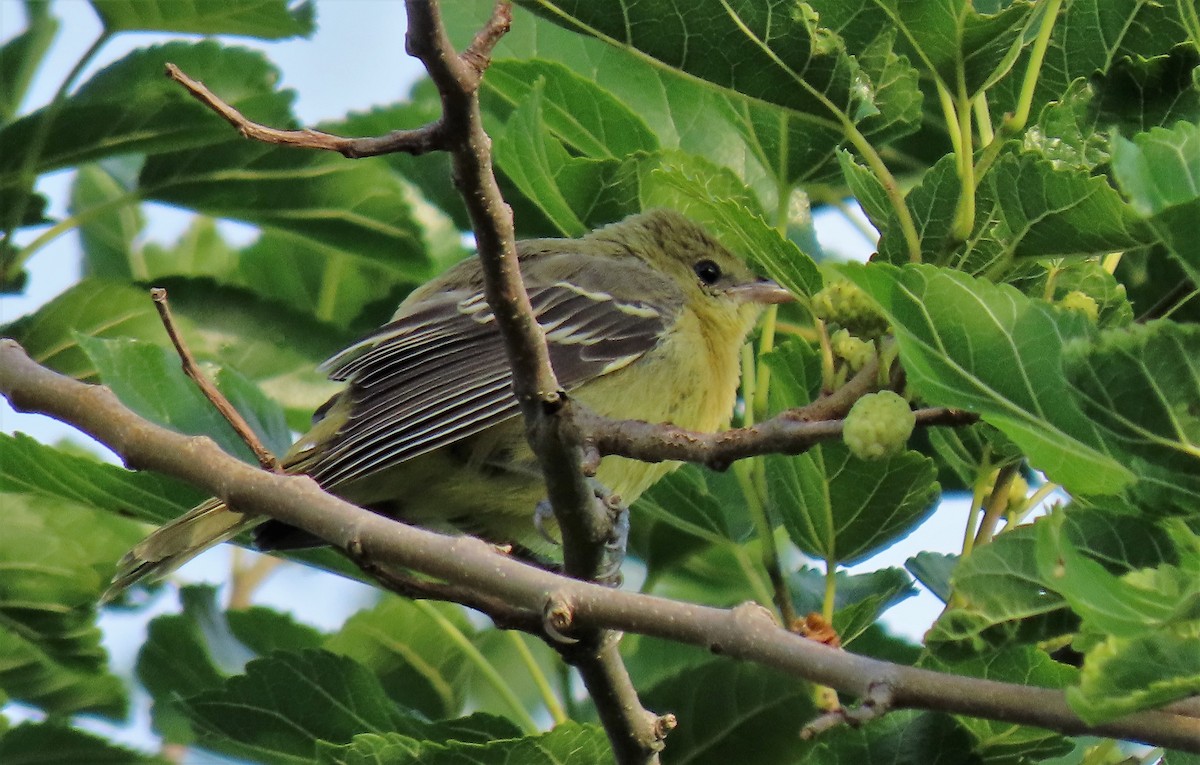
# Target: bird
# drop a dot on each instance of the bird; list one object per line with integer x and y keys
{"x": 643, "y": 319}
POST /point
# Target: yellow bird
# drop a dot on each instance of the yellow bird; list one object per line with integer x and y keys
{"x": 644, "y": 319}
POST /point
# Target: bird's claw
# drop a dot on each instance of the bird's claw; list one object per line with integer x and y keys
{"x": 542, "y": 513}
{"x": 618, "y": 539}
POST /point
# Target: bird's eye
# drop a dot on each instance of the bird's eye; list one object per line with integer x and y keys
{"x": 708, "y": 271}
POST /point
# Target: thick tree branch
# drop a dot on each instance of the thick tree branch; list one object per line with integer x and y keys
{"x": 582, "y": 520}
{"x": 747, "y": 632}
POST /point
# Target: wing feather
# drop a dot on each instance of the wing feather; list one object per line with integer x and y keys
{"x": 439, "y": 373}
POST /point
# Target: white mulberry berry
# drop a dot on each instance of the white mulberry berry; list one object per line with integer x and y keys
{"x": 844, "y": 304}
{"x": 854, "y": 351}
{"x": 878, "y": 425}
{"x": 1081, "y": 302}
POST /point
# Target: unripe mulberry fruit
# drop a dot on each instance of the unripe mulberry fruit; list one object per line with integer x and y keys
{"x": 1081, "y": 302}
{"x": 878, "y": 425}
{"x": 844, "y": 304}
{"x": 854, "y": 351}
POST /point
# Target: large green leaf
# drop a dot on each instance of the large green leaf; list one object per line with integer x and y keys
{"x": 267, "y": 19}
{"x": 420, "y": 651}
{"x": 1141, "y": 627}
{"x": 987, "y": 348}
{"x": 772, "y": 50}
{"x": 570, "y": 743}
{"x": 53, "y": 743}
{"x": 358, "y": 207}
{"x": 576, "y": 111}
{"x": 110, "y": 218}
{"x": 1160, "y": 172}
{"x": 958, "y": 46}
{"x": 21, "y": 56}
{"x": 130, "y": 107}
{"x": 723, "y": 704}
{"x": 97, "y": 308}
{"x": 29, "y": 467}
{"x": 859, "y": 598}
{"x": 1140, "y": 386}
{"x": 1002, "y": 743}
{"x": 56, "y": 557}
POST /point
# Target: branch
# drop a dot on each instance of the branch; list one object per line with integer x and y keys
{"x": 214, "y": 396}
{"x": 417, "y": 141}
{"x": 747, "y": 632}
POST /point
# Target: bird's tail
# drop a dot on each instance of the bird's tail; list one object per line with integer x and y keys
{"x": 177, "y": 542}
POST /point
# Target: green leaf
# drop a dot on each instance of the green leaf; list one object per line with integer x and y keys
{"x": 773, "y": 51}
{"x": 1125, "y": 675}
{"x": 53, "y": 743}
{"x": 185, "y": 654}
{"x": 285, "y": 705}
{"x": 690, "y": 499}
{"x": 148, "y": 380}
{"x": 265, "y": 19}
{"x": 835, "y": 506}
{"x": 358, "y": 207}
{"x": 1147, "y": 623}
{"x": 107, "y": 236}
{"x": 575, "y": 110}
{"x": 560, "y": 185}
{"x": 264, "y": 631}
{"x": 1000, "y": 598}
{"x": 57, "y": 557}
{"x": 98, "y": 308}
{"x": 30, "y": 467}
{"x": 1137, "y": 603}
{"x": 21, "y": 56}
{"x": 957, "y": 45}
{"x": 867, "y": 189}
{"x": 1139, "y": 385}
{"x": 934, "y": 571}
{"x": 130, "y": 107}
{"x": 963, "y": 341}
{"x": 420, "y": 651}
{"x": 315, "y": 279}
{"x": 903, "y": 737}
{"x": 568, "y": 744}
{"x": 1160, "y": 172}
{"x": 1001, "y": 743}
{"x": 723, "y": 704}
{"x": 1044, "y": 211}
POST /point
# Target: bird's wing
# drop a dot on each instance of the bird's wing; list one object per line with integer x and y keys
{"x": 439, "y": 373}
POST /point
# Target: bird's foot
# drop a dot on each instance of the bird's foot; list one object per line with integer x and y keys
{"x": 618, "y": 535}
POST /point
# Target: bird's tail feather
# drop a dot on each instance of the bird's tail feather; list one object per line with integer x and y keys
{"x": 177, "y": 542}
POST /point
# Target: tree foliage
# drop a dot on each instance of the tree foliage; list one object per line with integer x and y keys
{"x": 1010, "y": 154}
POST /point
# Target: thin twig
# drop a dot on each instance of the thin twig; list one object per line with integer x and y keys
{"x": 782, "y": 434}
{"x": 215, "y": 397}
{"x": 416, "y": 141}
{"x": 877, "y": 703}
{"x": 746, "y": 632}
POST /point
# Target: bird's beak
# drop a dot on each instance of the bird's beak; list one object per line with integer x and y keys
{"x": 763, "y": 291}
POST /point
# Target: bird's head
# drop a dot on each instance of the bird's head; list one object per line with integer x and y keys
{"x": 716, "y": 284}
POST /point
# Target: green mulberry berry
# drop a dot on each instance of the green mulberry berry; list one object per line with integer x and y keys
{"x": 844, "y": 304}
{"x": 1082, "y": 302}
{"x": 854, "y": 351}
{"x": 878, "y": 425}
